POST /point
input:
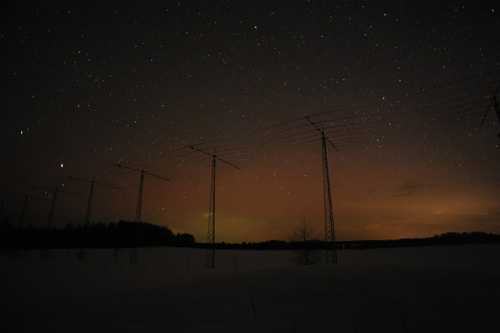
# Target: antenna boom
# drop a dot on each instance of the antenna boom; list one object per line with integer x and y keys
{"x": 214, "y": 156}
{"x": 55, "y": 189}
{"x": 144, "y": 172}
{"x": 93, "y": 181}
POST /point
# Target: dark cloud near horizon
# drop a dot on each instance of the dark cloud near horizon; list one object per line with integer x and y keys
{"x": 410, "y": 190}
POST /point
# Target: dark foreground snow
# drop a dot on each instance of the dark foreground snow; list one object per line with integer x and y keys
{"x": 427, "y": 289}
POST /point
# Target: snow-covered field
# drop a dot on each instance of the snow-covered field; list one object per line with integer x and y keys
{"x": 437, "y": 289}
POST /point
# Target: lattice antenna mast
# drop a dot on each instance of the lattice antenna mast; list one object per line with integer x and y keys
{"x": 82, "y": 254}
{"x": 138, "y": 209}
{"x": 45, "y": 253}
{"x": 24, "y": 206}
{"x": 134, "y": 254}
{"x": 493, "y": 101}
{"x": 331, "y": 255}
{"x": 23, "y": 210}
{"x": 210, "y": 259}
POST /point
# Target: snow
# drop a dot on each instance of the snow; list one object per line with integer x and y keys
{"x": 425, "y": 289}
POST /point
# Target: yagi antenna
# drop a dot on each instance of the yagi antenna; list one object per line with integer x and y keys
{"x": 321, "y": 132}
{"x": 214, "y": 156}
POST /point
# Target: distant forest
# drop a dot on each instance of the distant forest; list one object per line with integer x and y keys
{"x": 449, "y": 238}
{"x": 125, "y": 234}
{"x": 122, "y": 234}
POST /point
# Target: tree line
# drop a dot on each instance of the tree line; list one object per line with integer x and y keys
{"x": 122, "y": 234}
{"x": 448, "y": 238}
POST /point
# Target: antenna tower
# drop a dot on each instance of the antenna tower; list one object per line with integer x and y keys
{"x": 82, "y": 253}
{"x": 210, "y": 259}
{"x": 349, "y": 130}
{"x": 23, "y": 210}
{"x": 134, "y": 253}
{"x": 331, "y": 254}
{"x": 44, "y": 253}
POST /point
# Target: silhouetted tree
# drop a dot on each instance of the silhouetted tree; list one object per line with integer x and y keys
{"x": 305, "y": 251}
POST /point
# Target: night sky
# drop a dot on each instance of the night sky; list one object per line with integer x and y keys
{"x": 399, "y": 87}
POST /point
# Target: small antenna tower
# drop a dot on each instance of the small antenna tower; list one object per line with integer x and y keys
{"x": 493, "y": 101}
{"x": 331, "y": 256}
{"x": 23, "y": 210}
{"x": 83, "y": 250}
{"x": 210, "y": 259}
{"x": 134, "y": 254}
{"x": 24, "y": 206}
{"x": 44, "y": 253}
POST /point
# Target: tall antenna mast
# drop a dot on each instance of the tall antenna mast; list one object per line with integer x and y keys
{"x": 210, "y": 259}
{"x": 331, "y": 256}
{"x": 44, "y": 253}
{"x": 83, "y": 250}
{"x": 345, "y": 127}
{"x": 24, "y": 206}
{"x": 23, "y": 210}
{"x": 134, "y": 254}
